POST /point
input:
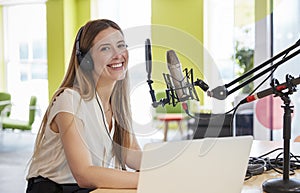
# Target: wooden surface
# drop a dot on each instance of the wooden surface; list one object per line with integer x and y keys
{"x": 114, "y": 191}
{"x": 254, "y": 184}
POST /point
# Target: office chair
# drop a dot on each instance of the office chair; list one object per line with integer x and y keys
{"x": 169, "y": 114}
{"x": 5, "y": 103}
{"x": 22, "y": 124}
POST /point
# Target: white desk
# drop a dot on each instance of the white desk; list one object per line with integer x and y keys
{"x": 254, "y": 184}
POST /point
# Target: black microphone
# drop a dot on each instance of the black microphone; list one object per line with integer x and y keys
{"x": 148, "y": 58}
{"x": 268, "y": 91}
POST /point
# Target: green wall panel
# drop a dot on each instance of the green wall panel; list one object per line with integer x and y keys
{"x": 177, "y": 25}
{"x": 55, "y": 43}
{"x": 64, "y": 17}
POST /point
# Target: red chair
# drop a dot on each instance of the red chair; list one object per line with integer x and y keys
{"x": 171, "y": 117}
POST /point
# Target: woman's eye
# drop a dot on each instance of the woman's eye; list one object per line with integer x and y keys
{"x": 106, "y": 48}
{"x": 122, "y": 46}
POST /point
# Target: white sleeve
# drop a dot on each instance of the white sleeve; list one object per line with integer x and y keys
{"x": 68, "y": 101}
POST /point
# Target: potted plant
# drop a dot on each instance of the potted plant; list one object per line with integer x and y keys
{"x": 244, "y": 57}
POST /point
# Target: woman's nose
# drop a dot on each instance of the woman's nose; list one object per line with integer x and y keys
{"x": 117, "y": 52}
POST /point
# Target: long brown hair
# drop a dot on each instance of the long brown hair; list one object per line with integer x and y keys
{"x": 84, "y": 82}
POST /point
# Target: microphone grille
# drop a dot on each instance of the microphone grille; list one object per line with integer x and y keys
{"x": 172, "y": 57}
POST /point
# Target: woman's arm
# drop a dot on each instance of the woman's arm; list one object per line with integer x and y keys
{"x": 134, "y": 155}
{"x": 79, "y": 159}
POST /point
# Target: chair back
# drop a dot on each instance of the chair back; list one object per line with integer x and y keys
{"x": 32, "y": 109}
{"x": 5, "y": 98}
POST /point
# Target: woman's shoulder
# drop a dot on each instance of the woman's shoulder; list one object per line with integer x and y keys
{"x": 66, "y": 95}
{"x": 69, "y": 92}
{"x": 72, "y": 91}
{"x": 65, "y": 100}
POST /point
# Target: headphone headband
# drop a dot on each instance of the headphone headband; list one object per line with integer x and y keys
{"x": 84, "y": 59}
{"x": 78, "y": 51}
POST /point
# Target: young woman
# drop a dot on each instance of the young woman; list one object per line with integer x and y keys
{"x": 85, "y": 139}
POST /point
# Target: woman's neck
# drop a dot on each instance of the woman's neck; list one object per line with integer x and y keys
{"x": 104, "y": 92}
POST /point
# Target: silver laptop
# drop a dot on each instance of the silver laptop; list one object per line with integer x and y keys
{"x": 210, "y": 165}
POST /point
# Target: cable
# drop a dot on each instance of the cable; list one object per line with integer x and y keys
{"x": 254, "y": 90}
{"x": 234, "y": 109}
{"x": 213, "y": 116}
{"x": 113, "y": 146}
{"x": 258, "y": 165}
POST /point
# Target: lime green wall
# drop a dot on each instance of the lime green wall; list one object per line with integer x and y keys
{"x": 2, "y": 66}
{"x": 64, "y": 17}
{"x": 177, "y": 25}
{"x": 83, "y": 10}
{"x": 55, "y": 44}
{"x": 69, "y": 27}
{"x": 262, "y": 9}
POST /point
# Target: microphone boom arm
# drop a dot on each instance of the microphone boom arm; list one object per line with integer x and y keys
{"x": 221, "y": 92}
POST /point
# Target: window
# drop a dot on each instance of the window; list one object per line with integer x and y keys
{"x": 286, "y": 33}
{"x": 219, "y": 44}
{"x": 26, "y": 52}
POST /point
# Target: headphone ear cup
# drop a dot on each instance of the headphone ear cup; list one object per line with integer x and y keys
{"x": 85, "y": 62}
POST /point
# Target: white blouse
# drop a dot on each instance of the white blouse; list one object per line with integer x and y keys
{"x": 51, "y": 161}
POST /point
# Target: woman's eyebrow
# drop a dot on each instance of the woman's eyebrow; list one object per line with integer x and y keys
{"x": 108, "y": 44}
{"x": 121, "y": 41}
{"x": 104, "y": 44}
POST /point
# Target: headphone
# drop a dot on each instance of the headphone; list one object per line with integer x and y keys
{"x": 85, "y": 60}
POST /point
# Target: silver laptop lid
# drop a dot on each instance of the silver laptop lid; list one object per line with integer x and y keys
{"x": 209, "y": 165}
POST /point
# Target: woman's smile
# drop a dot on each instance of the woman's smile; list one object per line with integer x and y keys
{"x": 116, "y": 66}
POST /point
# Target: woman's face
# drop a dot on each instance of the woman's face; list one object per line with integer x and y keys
{"x": 110, "y": 55}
